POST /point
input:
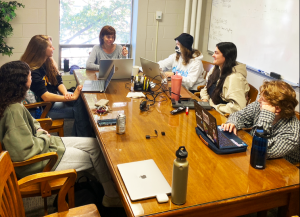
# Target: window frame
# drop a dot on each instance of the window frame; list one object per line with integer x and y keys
{"x": 128, "y": 46}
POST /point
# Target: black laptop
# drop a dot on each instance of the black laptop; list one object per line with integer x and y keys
{"x": 207, "y": 124}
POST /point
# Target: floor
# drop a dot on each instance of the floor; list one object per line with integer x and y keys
{"x": 34, "y": 206}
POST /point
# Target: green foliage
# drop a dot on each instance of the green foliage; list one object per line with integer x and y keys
{"x": 7, "y": 13}
{"x": 83, "y": 24}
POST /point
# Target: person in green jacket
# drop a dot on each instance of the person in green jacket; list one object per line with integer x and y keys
{"x": 22, "y": 136}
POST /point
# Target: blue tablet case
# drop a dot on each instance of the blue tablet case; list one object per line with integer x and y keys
{"x": 214, "y": 148}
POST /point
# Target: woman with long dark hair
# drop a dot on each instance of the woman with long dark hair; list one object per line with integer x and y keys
{"x": 47, "y": 85}
{"x": 22, "y": 136}
{"x": 186, "y": 62}
{"x": 107, "y": 49}
{"x": 227, "y": 86}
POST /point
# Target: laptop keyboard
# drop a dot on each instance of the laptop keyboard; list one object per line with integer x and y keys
{"x": 224, "y": 141}
{"x": 98, "y": 85}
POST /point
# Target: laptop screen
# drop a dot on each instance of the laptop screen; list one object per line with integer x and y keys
{"x": 107, "y": 81}
{"x": 150, "y": 69}
{"x": 207, "y": 123}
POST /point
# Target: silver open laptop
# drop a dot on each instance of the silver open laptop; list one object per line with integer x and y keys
{"x": 99, "y": 85}
{"x": 150, "y": 69}
{"x": 143, "y": 179}
{"x": 123, "y": 68}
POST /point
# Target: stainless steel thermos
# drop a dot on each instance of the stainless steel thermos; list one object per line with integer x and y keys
{"x": 180, "y": 177}
{"x": 259, "y": 148}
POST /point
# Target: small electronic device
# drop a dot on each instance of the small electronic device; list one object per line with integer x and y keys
{"x": 186, "y": 103}
{"x": 107, "y": 122}
{"x": 204, "y": 105}
{"x": 162, "y": 198}
{"x": 158, "y": 15}
{"x": 180, "y": 109}
{"x": 143, "y": 105}
{"x": 102, "y": 102}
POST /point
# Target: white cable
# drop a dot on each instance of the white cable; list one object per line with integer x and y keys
{"x": 156, "y": 41}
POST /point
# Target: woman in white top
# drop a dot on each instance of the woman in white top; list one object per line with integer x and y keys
{"x": 106, "y": 49}
{"x": 185, "y": 62}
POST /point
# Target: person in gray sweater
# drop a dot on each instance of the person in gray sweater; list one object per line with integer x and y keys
{"x": 22, "y": 136}
{"x": 106, "y": 49}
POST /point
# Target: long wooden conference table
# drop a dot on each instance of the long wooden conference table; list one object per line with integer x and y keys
{"x": 218, "y": 185}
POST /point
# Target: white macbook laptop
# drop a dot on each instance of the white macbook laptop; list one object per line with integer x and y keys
{"x": 143, "y": 179}
{"x": 98, "y": 85}
{"x": 123, "y": 68}
{"x": 151, "y": 69}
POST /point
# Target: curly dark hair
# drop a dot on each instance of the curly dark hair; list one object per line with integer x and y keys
{"x": 13, "y": 79}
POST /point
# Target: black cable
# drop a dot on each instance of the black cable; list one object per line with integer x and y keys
{"x": 126, "y": 87}
{"x": 148, "y": 136}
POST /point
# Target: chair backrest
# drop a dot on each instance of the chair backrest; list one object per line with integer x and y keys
{"x": 252, "y": 94}
{"x": 297, "y": 115}
{"x": 11, "y": 203}
{"x": 207, "y": 66}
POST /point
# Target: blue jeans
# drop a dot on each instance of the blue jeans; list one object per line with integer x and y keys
{"x": 73, "y": 110}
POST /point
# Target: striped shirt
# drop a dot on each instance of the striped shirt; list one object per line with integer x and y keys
{"x": 284, "y": 141}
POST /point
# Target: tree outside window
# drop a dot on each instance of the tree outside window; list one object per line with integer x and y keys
{"x": 82, "y": 20}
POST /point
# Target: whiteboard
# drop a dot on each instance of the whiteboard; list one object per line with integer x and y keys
{"x": 266, "y": 33}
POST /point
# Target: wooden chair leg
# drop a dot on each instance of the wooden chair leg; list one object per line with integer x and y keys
{"x": 262, "y": 213}
{"x": 61, "y": 132}
{"x": 45, "y": 206}
{"x": 71, "y": 197}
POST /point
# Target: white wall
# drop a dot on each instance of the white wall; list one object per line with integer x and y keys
{"x": 42, "y": 17}
{"x": 39, "y": 17}
{"x": 170, "y": 27}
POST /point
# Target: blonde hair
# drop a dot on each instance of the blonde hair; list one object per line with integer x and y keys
{"x": 35, "y": 55}
{"x": 280, "y": 93}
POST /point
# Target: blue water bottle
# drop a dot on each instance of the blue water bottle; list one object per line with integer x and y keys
{"x": 259, "y": 148}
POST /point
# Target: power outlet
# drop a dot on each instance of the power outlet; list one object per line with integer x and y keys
{"x": 158, "y": 15}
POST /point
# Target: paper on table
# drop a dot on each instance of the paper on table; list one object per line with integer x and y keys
{"x": 135, "y": 95}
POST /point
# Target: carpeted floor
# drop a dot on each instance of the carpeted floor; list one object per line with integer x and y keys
{"x": 34, "y": 206}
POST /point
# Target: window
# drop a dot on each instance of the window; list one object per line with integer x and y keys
{"x": 81, "y": 22}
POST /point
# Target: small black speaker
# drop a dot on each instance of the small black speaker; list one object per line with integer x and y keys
{"x": 66, "y": 65}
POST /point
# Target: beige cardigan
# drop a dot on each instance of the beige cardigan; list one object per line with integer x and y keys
{"x": 235, "y": 90}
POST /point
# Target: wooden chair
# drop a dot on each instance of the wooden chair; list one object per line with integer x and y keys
{"x": 43, "y": 189}
{"x": 57, "y": 125}
{"x": 297, "y": 115}
{"x": 11, "y": 203}
{"x": 207, "y": 67}
{"x": 252, "y": 94}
